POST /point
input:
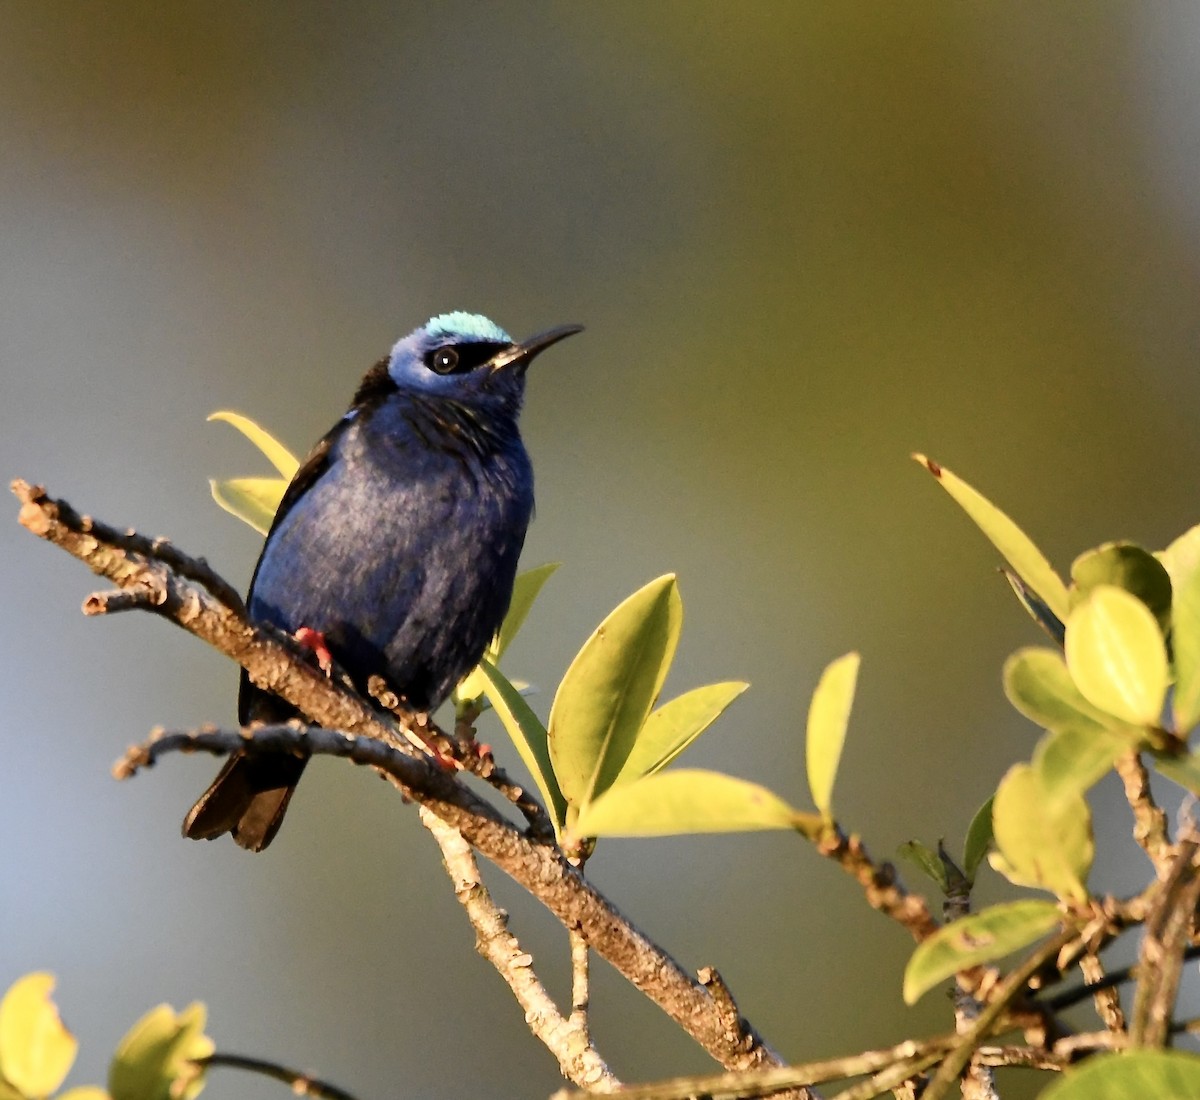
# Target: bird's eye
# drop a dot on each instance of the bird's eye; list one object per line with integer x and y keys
{"x": 444, "y": 360}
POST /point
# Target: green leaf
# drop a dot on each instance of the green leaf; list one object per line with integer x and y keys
{"x": 607, "y": 692}
{"x": 36, "y": 1051}
{"x": 980, "y": 938}
{"x": 1038, "y": 683}
{"x": 828, "y": 716}
{"x": 1184, "y": 770}
{"x": 1182, "y": 558}
{"x": 1071, "y": 759}
{"x": 277, "y": 454}
{"x": 155, "y": 1059}
{"x": 526, "y": 589}
{"x": 1149, "y": 1074}
{"x": 1016, "y": 547}
{"x": 1043, "y": 842}
{"x": 689, "y": 801}
{"x": 1116, "y": 655}
{"x": 1126, "y": 566}
{"x": 978, "y": 840}
{"x": 675, "y": 725}
{"x": 529, "y": 736}
{"x": 927, "y": 861}
{"x": 1185, "y": 640}
{"x": 254, "y": 500}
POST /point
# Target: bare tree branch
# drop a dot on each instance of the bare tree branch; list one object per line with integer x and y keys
{"x": 186, "y": 592}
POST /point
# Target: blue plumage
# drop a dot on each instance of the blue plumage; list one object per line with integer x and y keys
{"x": 398, "y": 540}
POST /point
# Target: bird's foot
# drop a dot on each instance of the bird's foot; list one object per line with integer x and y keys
{"x": 315, "y": 641}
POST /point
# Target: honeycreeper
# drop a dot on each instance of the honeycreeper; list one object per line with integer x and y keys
{"x": 395, "y": 544}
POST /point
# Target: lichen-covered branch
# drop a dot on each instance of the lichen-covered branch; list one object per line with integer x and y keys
{"x": 563, "y": 1037}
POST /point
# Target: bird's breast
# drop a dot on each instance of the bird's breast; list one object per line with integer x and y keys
{"x": 403, "y": 555}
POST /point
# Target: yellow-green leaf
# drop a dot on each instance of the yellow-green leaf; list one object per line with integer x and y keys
{"x": 1069, "y": 760}
{"x": 980, "y": 938}
{"x": 526, "y": 589}
{"x": 1127, "y": 566}
{"x": 36, "y": 1051}
{"x": 529, "y": 736}
{"x": 610, "y": 687}
{"x": 254, "y": 500}
{"x": 978, "y": 840}
{"x": 277, "y": 454}
{"x": 1116, "y": 655}
{"x": 1130, "y": 1075}
{"x": 689, "y": 801}
{"x": 1042, "y": 842}
{"x": 675, "y": 725}
{"x": 1182, "y": 558}
{"x": 1017, "y": 548}
{"x": 927, "y": 861}
{"x": 828, "y": 716}
{"x": 1185, "y": 639}
{"x": 1184, "y": 770}
{"x": 155, "y": 1060}
{"x": 1039, "y": 684}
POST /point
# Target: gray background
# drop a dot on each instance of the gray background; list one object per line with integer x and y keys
{"x": 806, "y": 240}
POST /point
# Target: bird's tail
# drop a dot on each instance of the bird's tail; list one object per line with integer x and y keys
{"x": 247, "y": 799}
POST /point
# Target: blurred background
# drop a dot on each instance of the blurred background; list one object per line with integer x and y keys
{"x": 806, "y": 240}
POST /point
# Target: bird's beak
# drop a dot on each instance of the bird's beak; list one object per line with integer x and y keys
{"x": 522, "y": 354}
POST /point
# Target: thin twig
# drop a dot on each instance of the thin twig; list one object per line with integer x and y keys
{"x": 289, "y": 737}
{"x": 114, "y": 600}
{"x": 1149, "y": 820}
{"x": 564, "y": 1038}
{"x": 767, "y": 1082}
{"x": 129, "y": 561}
{"x": 887, "y": 1080}
{"x": 1106, "y": 998}
{"x": 480, "y": 761}
{"x": 301, "y": 1084}
{"x": 580, "y": 982}
{"x": 770, "y": 1082}
{"x": 979, "y": 1083}
{"x": 879, "y": 882}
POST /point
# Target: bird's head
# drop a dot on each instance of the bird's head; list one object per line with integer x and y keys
{"x": 467, "y": 358}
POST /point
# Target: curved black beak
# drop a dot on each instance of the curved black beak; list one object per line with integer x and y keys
{"x": 522, "y": 354}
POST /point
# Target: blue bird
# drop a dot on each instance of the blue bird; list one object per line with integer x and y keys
{"x": 396, "y": 542}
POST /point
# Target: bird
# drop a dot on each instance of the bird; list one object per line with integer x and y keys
{"x": 395, "y": 544}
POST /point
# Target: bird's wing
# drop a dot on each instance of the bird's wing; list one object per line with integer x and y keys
{"x": 373, "y": 389}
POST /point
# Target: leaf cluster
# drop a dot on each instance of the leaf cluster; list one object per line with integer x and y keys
{"x": 158, "y": 1059}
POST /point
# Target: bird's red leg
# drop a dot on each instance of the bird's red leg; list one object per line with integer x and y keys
{"x": 315, "y": 641}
